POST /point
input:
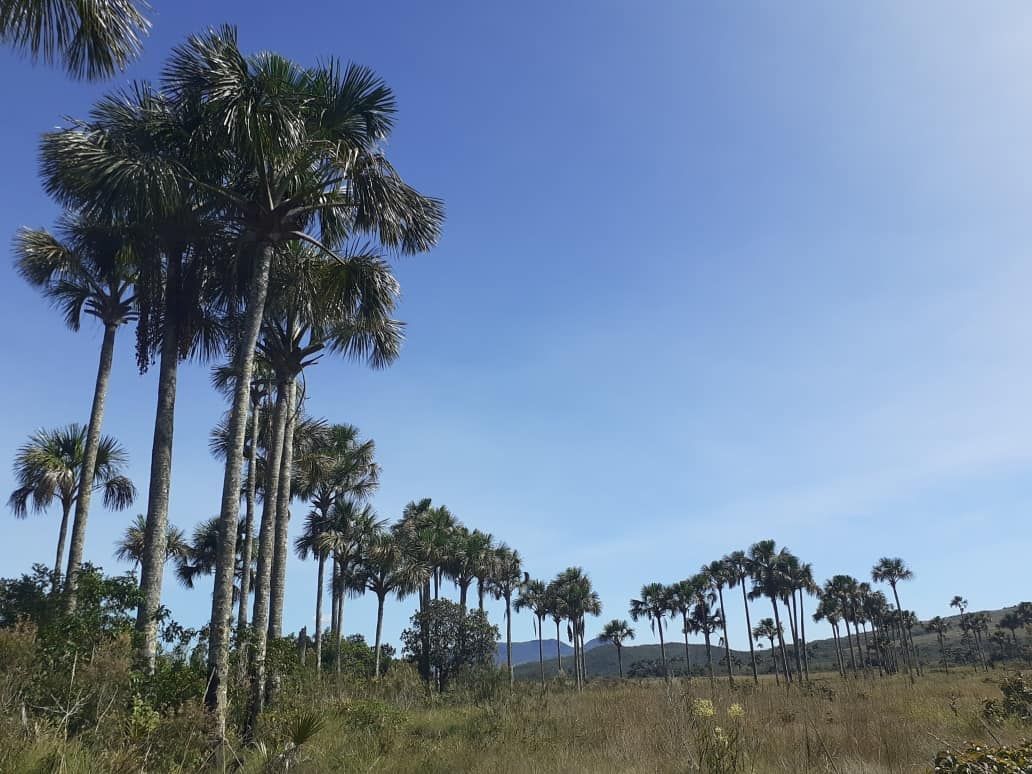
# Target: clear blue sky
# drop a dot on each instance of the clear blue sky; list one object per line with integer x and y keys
{"x": 711, "y": 274}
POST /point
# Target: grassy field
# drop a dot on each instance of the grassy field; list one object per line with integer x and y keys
{"x": 847, "y": 727}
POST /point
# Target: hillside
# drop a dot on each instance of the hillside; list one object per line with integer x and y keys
{"x": 602, "y": 661}
{"x": 525, "y": 652}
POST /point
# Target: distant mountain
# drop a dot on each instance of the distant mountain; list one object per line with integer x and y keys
{"x": 527, "y": 652}
{"x": 601, "y": 660}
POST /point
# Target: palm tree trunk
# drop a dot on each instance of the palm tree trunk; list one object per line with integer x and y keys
{"x": 89, "y": 463}
{"x": 283, "y": 493}
{"x": 727, "y": 644}
{"x": 463, "y": 590}
{"x": 222, "y": 598}
{"x": 774, "y": 660}
{"x": 849, "y": 641}
{"x": 266, "y": 548}
{"x": 152, "y": 562}
{"x": 838, "y": 649}
{"x": 662, "y": 648}
{"x": 480, "y": 598}
{"x": 942, "y": 648}
{"x": 318, "y": 610}
{"x": 508, "y": 639}
{"x": 249, "y": 500}
{"x": 541, "y": 646}
{"x": 902, "y": 631}
{"x": 687, "y": 658}
{"x": 66, "y": 511}
{"x": 619, "y": 660}
{"x": 709, "y": 656}
{"x": 748, "y": 632}
{"x": 802, "y": 636}
{"x": 558, "y": 648}
{"x": 794, "y": 628}
{"x": 380, "y": 598}
{"x": 781, "y": 640}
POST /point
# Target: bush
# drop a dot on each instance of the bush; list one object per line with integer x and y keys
{"x": 443, "y": 641}
{"x": 978, "y": 759}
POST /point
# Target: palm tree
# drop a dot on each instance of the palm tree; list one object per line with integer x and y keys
{"x": 829, "y": 609}
{"x": 92, "y": 40}
{"x": 766, "y": 629}
{"x": 1012, "y": 622}
{"x": 468, "y": 555}
{"x": 301, "y": 150}
{"x": 616, "y": 632}
{"x": 384, "y": 570}
{"x": 124, "y": 164}
{"x": 802, "y": 582}
{"x": 681, "y": 597}
{"x": 738, "y": 570}
{"x": 767, "y": 567}
{"x": 506, "y": 579}
{"x": 577, "y": 600}
{"x": 652, "y": 604}
{"x": 201, "y": 554}
{"x": 87, "y": 270}
{"x": 49, "y": 468}
{"x": 969, "y": 625}
{"x": 534, "y": 597}
{"x": 704, "y": 619}
{"x": 130, "y": 547}
{"x": 556, "y": 611}
{"x": 720, "y": 574}
{"x": 892, "y": 571}
{"x": 940, "y": 626}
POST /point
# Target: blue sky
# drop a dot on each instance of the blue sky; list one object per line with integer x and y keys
{"x": 710, "y": 274}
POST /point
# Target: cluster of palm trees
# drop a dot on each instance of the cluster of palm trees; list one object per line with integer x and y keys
{"x": 240, "y": 207}
{"x": 569, "y": 598}
{"x": 882, "y": 632}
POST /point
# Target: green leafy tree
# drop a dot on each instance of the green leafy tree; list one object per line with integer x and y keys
{"x": 617, "y": 632}
{"x": 456, "y": 641}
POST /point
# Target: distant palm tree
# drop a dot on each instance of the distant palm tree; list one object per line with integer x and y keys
{"x": 969, "y": 624}
{"x": 767, "y": 568}
{"x": 681, "y": 598}
{"x": 534, "y": 597}
{"x": 578, "y": 600}
{"x": 843, "y": 589}
{"x": 86, "y": 269}
{"x": 766, "y": 629}
{"x": 829, "y": 609}
{"x": 705, "y": 619}
{"x": 617, "y": 632}
{"x": 556, "y": 611}
{"x": 49, "y": 468}
{"x": 1012, "y": 622}
{"x": 386, "y": 570}
{"x": 653, "y": 604}
{"x": 738, "y": 567}
{"x": 720, "y": 574}
{"x": 92, "y": 40}
{"x": 893, "y": 571}
{"x": 940, "y": 626}
{"x": 130, "y": 547}
{"x": 469, "y": 553}
{"x": 506, "y": 578}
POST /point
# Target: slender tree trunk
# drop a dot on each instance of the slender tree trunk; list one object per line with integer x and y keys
{"x": 66, "y": 512}
{"x": 222, "y": 598}
{"x": 838, "y": 650}
{"x": 266, "y": 549}
{"x": 541, "y": 646}
{"x": 508, "y": 639}
{"x": 687, "y": 658}
{"x": 802, "y": 636}
{"x": 727, "y": 643}
{"x": 463, "y": 589}
{"x": 849, "y": 641}
{"x": 338, "y": 641}
{"x": 903, "y": 634}
{"x": 480, "y": 597}
{"x": 662, "y": 649}
{"x": 942, "y": 647}
{"x": 793, "y": 627}
{"x": 283, "y": 493}
{"x": 247, "y": 554}
{"x": 380, "y": 598}
{"x": 89, "y": 463}
{"x": 152, "y": 562}
{"x": 709, "y": 656}
{"x": 558, "y": 648}
{"x": 781, "y": 640}
{"x": 748, "y": 632}
{"x": 318, "y": 610}
{"x": 774, "y": 661}
{"x": 619, "y": 660}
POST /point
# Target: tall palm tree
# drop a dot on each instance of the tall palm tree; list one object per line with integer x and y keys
{"x": 617, "y": 632}
{"x": 767, "y": 567}
{"x": 556, "y": 611}
{"x": 738, "y": 571}
{"x": 129, "y": 547}
{"x": 802, "y": 583}
{"x": 302, "y": 148}
{"x": 1012, "y": 622}
{"x": 87, "y": 269}
{"x": 384, "y": 570}
{"x": 893, "y": 571}
{"x": 681, "y": 597}
{"x": 506, "y": 579}
{"x": 468, "y": 555}
{"x": 91, "y": 40}
{"x": 766, "y": 629}
{"x": 577, "y": 600}
{"x": 720, "y": 574}
{"x": 49, "y": 468}
{"x": 533, "y": 596}
{"x": 940, "y": 626}
{"x": 843, "y": 588}
{"x": 652, "y": 604}
{"x": 705, "y": 619}
{"x": 829, "y": 609}
{"x": 124, "y": 164}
